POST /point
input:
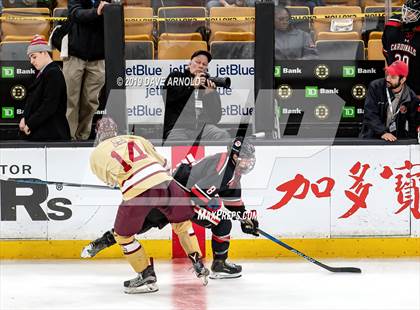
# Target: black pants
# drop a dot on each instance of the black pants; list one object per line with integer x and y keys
{"x": 220, "y": 240}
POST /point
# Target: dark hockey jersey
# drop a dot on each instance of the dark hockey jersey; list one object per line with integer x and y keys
{"x": 213, "y": 176}
{"x": 401, "y": 42}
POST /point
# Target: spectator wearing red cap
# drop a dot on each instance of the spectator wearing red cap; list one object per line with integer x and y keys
{"x": 44, "y": 117}
{"x": 390, "y": 106}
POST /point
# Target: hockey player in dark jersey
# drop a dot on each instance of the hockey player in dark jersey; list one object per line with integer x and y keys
{"x": 214, "y": 185}
{"x": 401, "y": 41}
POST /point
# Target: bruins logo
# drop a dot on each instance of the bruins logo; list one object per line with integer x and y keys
{"x": 322, "y": 112}
{"x": 18, "y": 92}
{"x": 322, "y": 72}
{"x": 359, "y": 91}
{"x": 285, "y": 91}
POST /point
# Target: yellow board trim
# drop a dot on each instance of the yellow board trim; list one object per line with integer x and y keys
{"x": 55, "y": 249}
{"x": 255, "y": 248}
{"x": 327, "y": 248}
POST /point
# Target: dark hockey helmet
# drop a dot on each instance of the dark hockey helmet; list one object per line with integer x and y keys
{"x": 245, "y": 152}
{"x": 411, "y": 11}
{"x": 106, "y": 128}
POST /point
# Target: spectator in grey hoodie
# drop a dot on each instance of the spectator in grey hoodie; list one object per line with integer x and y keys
{"x": 291, "y": 43}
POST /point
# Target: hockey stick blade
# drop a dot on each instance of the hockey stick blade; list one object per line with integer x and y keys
{"x": 312, "y": 260}
{"x": 345, "y": 269}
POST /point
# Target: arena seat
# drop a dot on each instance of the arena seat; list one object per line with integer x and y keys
{"x": 25, "y": 27}
{"x": 374, "y": 51}
{"x": 61, "y": 4}
{"x": 323, "y": 25}
{"x": 231, "y": 25}
{"x": 341, "y": 49}
{"x": 180, "y": 26}
{"x": 193, "y": 36}
{"x": 365, "y": 3}
{"x": 12, "y": 38}
{"x": 341, "y": 2}
{"x": 233, "y": 36}
{"x": 232, "y": 50}
{"x": 303, "y": 24}
{"x": 156, "y": 4}
{"x": 375, "y": 35}
{"x": 140, "y": 3}
{"x": 139, "y": 50}
{"x": 138, "y": 30}
{"x": 338, "y": 35}
{"x": 137, "y": 37}
{"x": 171, "y": 49}
{"x": 13, "y": 51}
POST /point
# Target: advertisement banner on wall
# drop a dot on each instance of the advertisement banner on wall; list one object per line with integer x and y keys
{"x": 25, "y": 209}
{"x": 415, "y": 191}
{"x": 297, "y": 191}
{"x": 145, "y": 78}
{"x": 367, "y": 200}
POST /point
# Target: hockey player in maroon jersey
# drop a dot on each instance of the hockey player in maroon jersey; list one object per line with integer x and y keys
{"x": 150, "y": 196}
{"x": 401, "y": 41}
{"x": 214, "y": 184}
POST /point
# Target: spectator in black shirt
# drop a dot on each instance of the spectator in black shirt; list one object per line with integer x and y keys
{"x": 390, "y": 105}
{"x": 192, "y": 104}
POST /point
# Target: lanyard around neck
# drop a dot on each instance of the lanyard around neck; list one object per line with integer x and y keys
{"x": 390, "y": 104}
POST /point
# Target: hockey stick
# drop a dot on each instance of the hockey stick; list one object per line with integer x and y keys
{"x": 288, "y": 247}
{"x": 58, "y": 185}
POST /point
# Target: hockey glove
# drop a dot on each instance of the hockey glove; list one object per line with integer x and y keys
{"x": 250, "y": 226}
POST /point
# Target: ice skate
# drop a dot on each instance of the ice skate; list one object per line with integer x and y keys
{"x": 98, "y": 245}
{"x": 200, "y": 270}
{"x": 145, "y": 282}
{"x": 222, "y": 269}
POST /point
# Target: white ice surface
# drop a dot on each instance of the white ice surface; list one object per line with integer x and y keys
{"x": 275, "y": 284}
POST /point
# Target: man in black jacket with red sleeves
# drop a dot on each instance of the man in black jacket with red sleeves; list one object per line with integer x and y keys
{"x": 401, "y": 41}
{"x": 45, "y": 109}
{"x": 391, "y": 105}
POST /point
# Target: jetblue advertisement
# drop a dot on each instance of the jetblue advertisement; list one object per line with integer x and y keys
{"x": 144, "y": 80}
